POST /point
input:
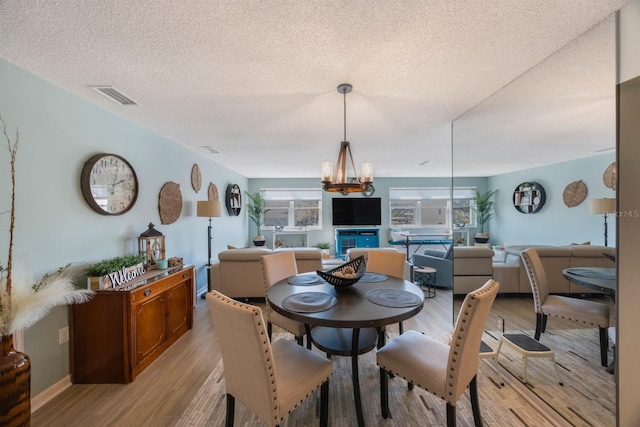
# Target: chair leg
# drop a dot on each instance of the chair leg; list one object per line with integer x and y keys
{"x": 539, "y": 327}
{"x": 384, "y": 393}
{"x": 400, "y": 328}
{"x": 475, "y": 406}
{"x": 544, "y": 323}
{"x": 604, "y": 345}
{"x": 324, "y": 404}
{"x": 299, "y": 340}
{"x": 231, "y": 406}
{"x": 451, "y": 415}
{"x": 269, "y": 330}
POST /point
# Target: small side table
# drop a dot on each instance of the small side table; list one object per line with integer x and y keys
{"x": 426, "y": 276}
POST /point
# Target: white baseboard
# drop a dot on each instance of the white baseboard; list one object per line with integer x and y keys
{"x": 41, "y": 399}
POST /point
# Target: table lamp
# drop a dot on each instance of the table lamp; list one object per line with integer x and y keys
{"x": 209, "y": 208}
{"x": 603, "y": 207}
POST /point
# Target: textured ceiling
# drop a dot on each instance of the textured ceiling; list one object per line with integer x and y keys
{"x": 256, "y": 80}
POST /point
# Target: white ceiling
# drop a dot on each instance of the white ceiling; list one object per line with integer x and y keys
{"x": 256, "y": 80}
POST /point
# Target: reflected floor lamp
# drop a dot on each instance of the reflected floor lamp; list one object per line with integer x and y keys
{"x": 603, "y": 207}
{"x": 211, "y": 209}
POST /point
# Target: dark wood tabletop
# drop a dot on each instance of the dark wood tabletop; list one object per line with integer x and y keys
{"x": 353, "y": 309}
{"x": 597, "y": 278}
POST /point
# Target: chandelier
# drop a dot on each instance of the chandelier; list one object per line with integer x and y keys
{"x": 336, "y": 180}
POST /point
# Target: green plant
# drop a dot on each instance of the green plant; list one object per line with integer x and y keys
{"x": 255, "y": 208}
{"x": 483, "y": 207}
{"x": 107, "y": 266}
{"x": 322, "y": 245}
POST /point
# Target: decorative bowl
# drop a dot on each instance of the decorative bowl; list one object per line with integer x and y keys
{"x": 358, "y": 265}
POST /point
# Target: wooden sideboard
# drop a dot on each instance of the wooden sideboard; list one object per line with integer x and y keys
{"x": 119, "y": 332}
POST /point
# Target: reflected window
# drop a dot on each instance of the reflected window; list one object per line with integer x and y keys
{"x": 430, "y": 207}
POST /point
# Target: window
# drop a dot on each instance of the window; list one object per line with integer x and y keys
{"x": 430, "y": 207}
{"x": 292, "y": 208}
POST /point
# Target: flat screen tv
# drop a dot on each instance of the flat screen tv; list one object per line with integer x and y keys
{"x": 357, "y": 211}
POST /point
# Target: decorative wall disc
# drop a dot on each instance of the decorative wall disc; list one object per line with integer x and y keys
{"x": 196, "y": 178}
{"x": 610, "y": 176}
{"x": 213, "y": 193}
{"x": 574, "y": 193}
{"x": 170, "y": 202}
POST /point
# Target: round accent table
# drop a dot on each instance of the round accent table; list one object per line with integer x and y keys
{"x": 426, "y": 277}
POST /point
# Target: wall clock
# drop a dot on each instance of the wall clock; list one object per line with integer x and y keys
{"x": 109, "y": 184}
{"x": 233, "y": 199}
{"x": 529, "y": 197}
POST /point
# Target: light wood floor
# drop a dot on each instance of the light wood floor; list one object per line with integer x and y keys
{"x": 162, "y": 392}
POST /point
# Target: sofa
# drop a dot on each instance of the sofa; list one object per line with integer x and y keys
{"x": 238, "y": 272}
{"x": 472, "y": 267}
{"x": 513, "y": 278}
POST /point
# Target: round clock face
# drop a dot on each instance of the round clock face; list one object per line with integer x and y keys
{"x": 109, "y": 184}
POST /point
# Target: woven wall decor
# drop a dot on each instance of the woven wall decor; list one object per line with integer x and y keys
{"x": 610, "y": 176}
{"x": 196, "y": 178}
{"x": 213, "y": 193}
{"x": 170, "y": 202}
{"x": 574, "y": 193}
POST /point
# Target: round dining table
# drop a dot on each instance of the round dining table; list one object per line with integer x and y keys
{"x": 375, "y": 301}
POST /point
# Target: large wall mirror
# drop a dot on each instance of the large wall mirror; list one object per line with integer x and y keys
{"x": 555, "y": 124}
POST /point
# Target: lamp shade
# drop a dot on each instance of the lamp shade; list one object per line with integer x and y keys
{"x": 602, "y": 206}
{"x": 209, "y": 208}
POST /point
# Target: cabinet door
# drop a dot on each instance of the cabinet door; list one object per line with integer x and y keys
{"x": 149, "y": 327}
{"x": 178, "y": 309}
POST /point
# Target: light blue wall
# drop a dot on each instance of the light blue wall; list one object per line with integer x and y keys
{"x": 55, "y": 226}
{"x": 555, "y": 223}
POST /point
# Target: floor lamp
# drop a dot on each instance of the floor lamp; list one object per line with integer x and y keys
{"x": 603, "y": 207}
{"x": 211, "y": 209}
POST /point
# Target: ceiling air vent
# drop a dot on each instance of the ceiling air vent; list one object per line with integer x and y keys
{"x": 114, "y": 95}
{"x": 210, "y": 149}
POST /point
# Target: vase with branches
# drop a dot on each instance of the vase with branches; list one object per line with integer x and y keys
{"x": 23, "y": 302}
{"x": 255, "y": 210}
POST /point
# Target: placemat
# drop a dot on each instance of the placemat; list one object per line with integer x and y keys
{"x": 309, "y": 302}
{"x": 306, "y": 279}
{"x": 393, "y": 298}
{"x": 599, "y": 273}
{"x": 373, "y": 277}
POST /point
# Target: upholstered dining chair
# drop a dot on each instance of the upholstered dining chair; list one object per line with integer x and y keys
{"x": 442, "y": 369}
{"x": 390, "y": 263}
{"x": 276, "y": 267}
{"x": 271, "y": 380}
{"x": 579, "y": 310}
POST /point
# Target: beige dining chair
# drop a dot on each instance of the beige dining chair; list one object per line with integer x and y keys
{"x": 271, "y": 380}
{"x": 390, "y": 263}
{"x": 442, "y": 369}
{"x": 276, "y": 267}
{"x": 575, "y": 309}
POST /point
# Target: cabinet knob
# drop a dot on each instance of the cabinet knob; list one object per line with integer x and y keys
{"x": 185, "y": 275}
{"x": 147, "y": 292}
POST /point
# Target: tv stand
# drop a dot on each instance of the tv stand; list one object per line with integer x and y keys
{"x": 347, "y": 238}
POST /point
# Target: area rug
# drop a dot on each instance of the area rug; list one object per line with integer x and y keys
{"x": 500, "y": 405}
{"x": 587, "y": 397}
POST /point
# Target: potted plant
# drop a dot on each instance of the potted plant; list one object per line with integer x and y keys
{"x": 114, "y": 272}
{"x": 483, "y": 207}
{"x": 255, "y": 210}
{"x": 324, "y": 247}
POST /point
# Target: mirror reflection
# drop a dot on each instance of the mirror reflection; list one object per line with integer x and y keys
{"x": 550, "y": 133}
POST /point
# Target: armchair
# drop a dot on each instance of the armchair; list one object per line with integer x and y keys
{"x": 441, "y": 261}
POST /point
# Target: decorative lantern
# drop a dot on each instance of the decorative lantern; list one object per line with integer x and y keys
{"x": 151, "y": 244}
